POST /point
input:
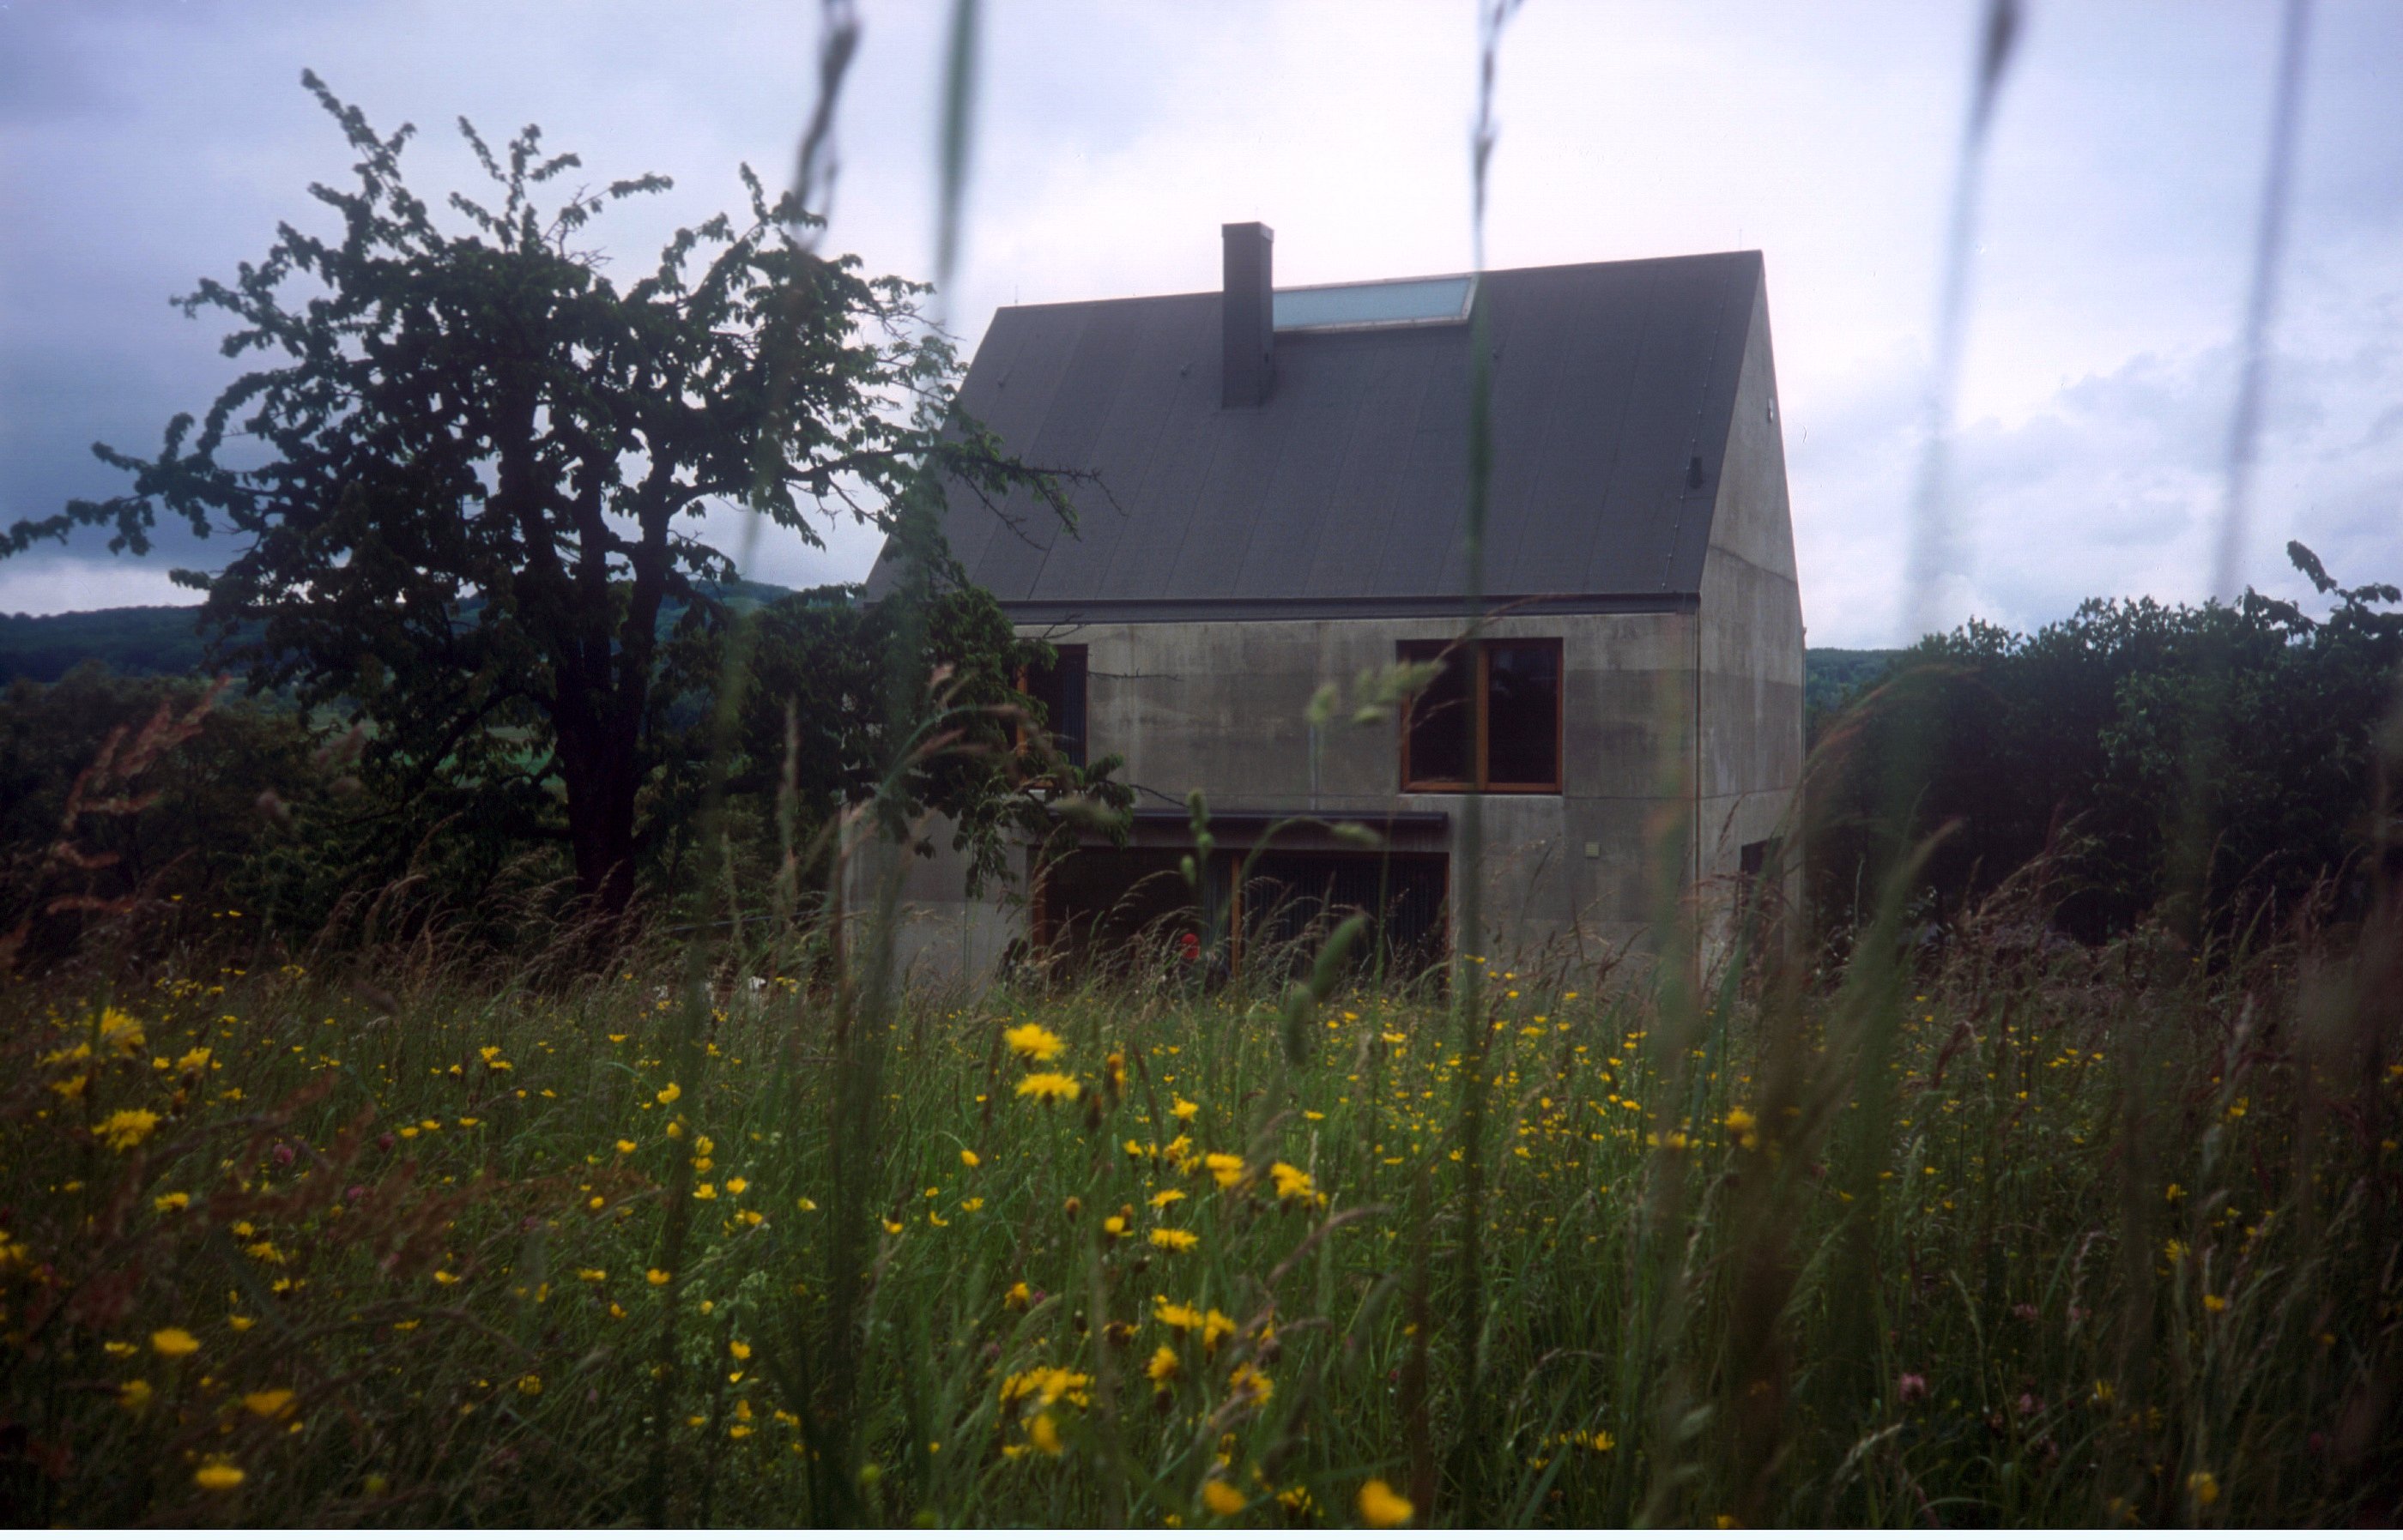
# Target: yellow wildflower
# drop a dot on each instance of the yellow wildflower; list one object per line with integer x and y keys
{"x": 1046, "y": 1434}
{"x": 656, "y": 1277}
{"x": 216, "y": 1475}
{"x": 172, "y": 1203}
{"x": 1182, "y": 1110}
{"x": 742, "y": 1351}
{"x": 2205, "y": 1488}
{"x": 1225, "y": 1170}
{"x": 173, "y": 1342}
{"x": 1172, "y": 1195}
{"x": 1221, "y": 1499}
{"x": 1033, "y": 1043}
{"x": 1175, "y": 1240}
{"x": 1018, "y": 1297}
{"x": 267, "y": 1403}
{"x": 1163, "y": 1366}
{"x": 736, "y": 1187}
{"x": 1248, "y": 1384}
{"x": 1047, "y": 1086}
{"x": 1382, "y": 1508}
{"x": 668, "y": 1092}
{"x": 133, "y": 1395}
{"x": 1291, "y": 1182}
{"x": 968, "y": 1159}
{"x": 124, "y": 1129}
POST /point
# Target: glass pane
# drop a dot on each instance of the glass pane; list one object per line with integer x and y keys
{"x": 1414, "y": 299}
{"x": 1060, "y": 690}
{"x": 1523, "y": 714}
{"x": 1438, "y": 721}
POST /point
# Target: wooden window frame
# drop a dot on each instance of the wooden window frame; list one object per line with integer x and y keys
{"x": 1480, "y": 692}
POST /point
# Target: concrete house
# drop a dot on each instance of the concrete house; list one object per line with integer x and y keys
{"x": 1287, "y": 477}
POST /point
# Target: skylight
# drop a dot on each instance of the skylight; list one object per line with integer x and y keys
{"x": 1402, "y": 302}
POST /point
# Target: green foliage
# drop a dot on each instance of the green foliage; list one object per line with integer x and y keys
{"x": 480, "y": 462}
{"x": 2090, "y": 740}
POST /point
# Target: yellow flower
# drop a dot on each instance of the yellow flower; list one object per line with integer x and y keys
{"x": 173, "y": 1342}
{"x": 445, "y": 1278}
{"x": 1382, "y": 1508}
{"x": 1163, "y": 1366}
{"x": 1248, "y": 1384}
{"x": 124, "y": 1129}
{"x": 656, "y": 1277}
{"x": 668, "y": 1092}
{"x": 216, "y": 1475}
{"x": 1045, "y": 1433}
{"x": 1221, "y": 1499}
{"x": 625, "y": 1146}
{"x": 193, "y": 1062}
{"x": 1018, "y": 1297}
{"x": 1182, "y": 1110}
{"x": 2205, "y": 1488}
{"x": 240, "y": 1323}
{"x": 968, "y": 1159}
{"x": 1046, "y": 1087}
{"x": 1162, "y": 1199}
{"x": 2213, "y": 1303}
{"x": 172, "y": 1203}
{"x": 1033, "y": 1043}
{"x": 706, "y": 1192}
{"x": 133, "y": 1395}
{"x": 593, "y": 1275}
{"x": 530, "y": 1385}
{"x": 119, "y": 1349}
{"x": 1175, "y": 1240}
{"x": 1291, "y": 1182}
{"x": 736, "y": 1187}
{"x": 267, "y": 1403}
{"x": 1114, "y": 1226}
{"x": 1225, "y": 1170}
{"x": 742, "y": 1351}
{"x": 1738, "y": 1121}
{"x": 1176, "y": 1317}
{"x": 118, "y": 1030}
{"x": 1214, "y": 1330}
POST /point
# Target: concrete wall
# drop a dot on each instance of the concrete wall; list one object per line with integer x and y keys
{"x": 1222, "y": 706}
{"x": 1751, "y": 659}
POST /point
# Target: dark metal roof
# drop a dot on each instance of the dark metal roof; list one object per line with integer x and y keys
{"x": 1345, "y": 494}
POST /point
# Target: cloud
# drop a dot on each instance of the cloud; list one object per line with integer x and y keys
{"x": 141, "y": 148}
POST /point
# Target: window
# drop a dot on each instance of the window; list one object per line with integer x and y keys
{"x": 1515, "y": 748}
{"x": 1060, "y": 690}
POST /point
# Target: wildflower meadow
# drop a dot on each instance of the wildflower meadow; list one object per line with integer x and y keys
{"x": 2095, "y": 1236}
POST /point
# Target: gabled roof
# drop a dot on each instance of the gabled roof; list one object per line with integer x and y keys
{"x": 1345, "y": 494}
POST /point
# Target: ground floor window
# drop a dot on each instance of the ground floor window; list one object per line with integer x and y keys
{"x": 1060, "y": 690}
{"x": 1135, "y": 906}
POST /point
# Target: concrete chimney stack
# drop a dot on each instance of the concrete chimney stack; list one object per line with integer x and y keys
{"x": 1249, "y": 317}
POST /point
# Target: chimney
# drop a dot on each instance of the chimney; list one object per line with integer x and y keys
{"x": 1247, "y": 315}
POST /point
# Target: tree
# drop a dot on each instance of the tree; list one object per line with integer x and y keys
{"x": 2090, "y": 740}
{"x": 485, "y": 462}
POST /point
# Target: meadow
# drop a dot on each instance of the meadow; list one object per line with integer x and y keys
{"x": 2013, "y": 1232}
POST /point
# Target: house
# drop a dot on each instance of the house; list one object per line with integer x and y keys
{"x": 1285, "y": 478}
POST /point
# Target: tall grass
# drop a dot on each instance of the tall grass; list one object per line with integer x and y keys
{"x": 2128, "y": 1254}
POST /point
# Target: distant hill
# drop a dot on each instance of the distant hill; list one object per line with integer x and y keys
{"x": 1830, "y": 673}
{"x": 161, "y": 639}
{"x": 155, "y": 639}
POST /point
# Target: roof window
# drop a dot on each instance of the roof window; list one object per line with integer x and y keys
{"x": 1399, "y": 302}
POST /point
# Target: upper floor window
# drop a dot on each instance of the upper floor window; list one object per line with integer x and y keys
{"x": 1060, "y": 690}
{"x": 1515, "y": 748}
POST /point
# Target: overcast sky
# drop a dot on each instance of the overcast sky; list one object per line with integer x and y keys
{"x": 145, "y": 145}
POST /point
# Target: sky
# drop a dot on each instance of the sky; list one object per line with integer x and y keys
{"x": 144, "y": 146}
